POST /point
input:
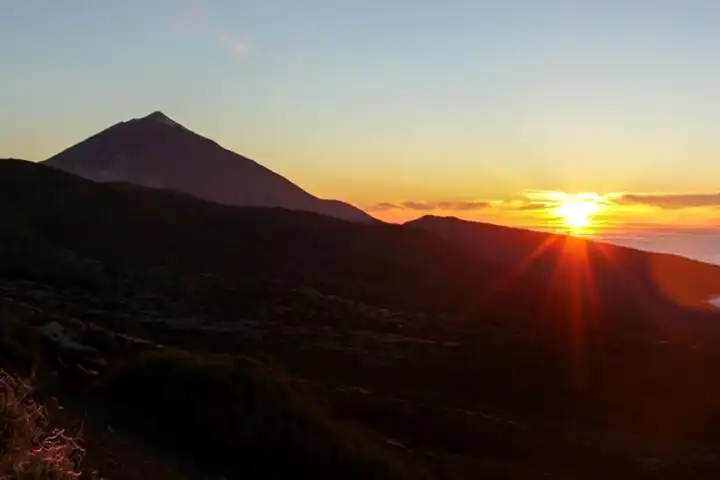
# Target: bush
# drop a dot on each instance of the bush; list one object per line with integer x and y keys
{"x": 29, "y": 450}
{"x": 248, "y": 419}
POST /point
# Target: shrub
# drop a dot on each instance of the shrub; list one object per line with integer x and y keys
{"x": 248, "y": 419}
{"x": 29, "y": 449}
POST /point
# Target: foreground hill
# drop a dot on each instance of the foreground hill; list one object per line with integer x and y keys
{"x": 155, "y": 151}
{"x": 471, "y": 367}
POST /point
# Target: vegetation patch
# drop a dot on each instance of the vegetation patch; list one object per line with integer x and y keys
{"x": 248, "y": 419}
{"x": 29, "y": 448}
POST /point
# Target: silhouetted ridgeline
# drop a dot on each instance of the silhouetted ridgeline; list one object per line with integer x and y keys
{"x": 155, "y": 151}
{"x": 440, "y": 335}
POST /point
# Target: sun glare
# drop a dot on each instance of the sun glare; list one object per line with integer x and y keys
{"x": 577, "y": 214}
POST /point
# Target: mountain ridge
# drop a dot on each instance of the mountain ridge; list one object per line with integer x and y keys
{"x": 156, "y": 151}
{"x": 504, "y": 360}
{"x": 542, "y": 254}
{"x": 312, "y": 245}
{"x": 417, "y": 222}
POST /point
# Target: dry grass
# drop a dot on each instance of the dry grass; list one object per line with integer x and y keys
{"x": 29, "y": 448}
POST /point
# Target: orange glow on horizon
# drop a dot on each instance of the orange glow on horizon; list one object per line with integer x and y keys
{"x": 577, "y": 214}
{"x": 584, "y": 214}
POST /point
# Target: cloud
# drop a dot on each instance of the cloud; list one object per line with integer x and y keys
{"x": 462, "y": 205}
{"x": 189, "y": 18}
{"x": 384, "y": 207}
{"x": 426, "y": 206}
{"x": 192, "y": 18}
{"x": 423, "y": 206}
{"x": 446, "y": 205}
{"x": 238, "y": 47}
{"x": 532, "y": 206}
{"x": 671, "y": 201}
{"x": 614, "y": 207}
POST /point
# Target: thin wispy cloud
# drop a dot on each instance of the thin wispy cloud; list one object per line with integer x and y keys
{"x": 671, "y": 201}
{"x": 462, "y": 205}
{"x": 422, "y": 206}
{"x": 192, "y": 18}
{"x": 427, "y": 206}
{"x": 189, "y": 18}
{"x": 543, "y": 200}
{"x": 384, "y": 207}
{"x": 238, "y": 47}
{"x": 532, "y": 206}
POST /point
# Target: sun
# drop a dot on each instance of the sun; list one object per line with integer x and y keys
{"x": 577, "y": 214}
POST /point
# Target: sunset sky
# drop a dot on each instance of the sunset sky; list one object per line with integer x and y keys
{"x": 473, "y": 108}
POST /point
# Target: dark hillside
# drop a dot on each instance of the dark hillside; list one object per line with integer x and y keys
{"x": 489, "y": 367}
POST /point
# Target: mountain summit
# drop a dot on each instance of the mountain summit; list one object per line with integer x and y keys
{"x": 156, "y": 151}
{"x": 158, "y": 116}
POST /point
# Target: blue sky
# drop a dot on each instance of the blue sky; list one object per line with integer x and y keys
{"x": 386, "y": 100}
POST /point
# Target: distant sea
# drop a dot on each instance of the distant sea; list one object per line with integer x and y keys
{"x": 703, "y": 247}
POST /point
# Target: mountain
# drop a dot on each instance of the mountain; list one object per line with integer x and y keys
{"x": 155, "y": 151}
{"x": 395, "y": 266}
{"x": 613, "y": 273}
{"x": 138, "y": 227}
{"x": 451, "y": 347}
{"x": 400, "y": 266}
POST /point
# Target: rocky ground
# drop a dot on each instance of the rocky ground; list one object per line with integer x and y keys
{"x": 406, "y": 376}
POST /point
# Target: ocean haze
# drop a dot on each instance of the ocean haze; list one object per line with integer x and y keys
{"x": 702, "y": 247}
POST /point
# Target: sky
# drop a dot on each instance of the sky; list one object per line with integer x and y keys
{"x": 480, "y": 109}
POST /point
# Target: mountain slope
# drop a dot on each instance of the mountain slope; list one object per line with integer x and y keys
{"x": 390, "y": 265}
{"x": 420, "y": 339}
{"x": 613, "y": 273}
{"x": 144, "y": 227}
{"x": 155, "y": 151}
